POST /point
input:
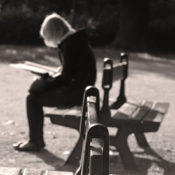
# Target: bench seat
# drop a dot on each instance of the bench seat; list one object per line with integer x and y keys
{"x": 136, "y": 118}
{"x": 148, "y": 114}
{"x": 69, "y": 117}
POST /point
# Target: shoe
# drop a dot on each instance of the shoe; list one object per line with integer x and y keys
{"x": 28, "y": 146}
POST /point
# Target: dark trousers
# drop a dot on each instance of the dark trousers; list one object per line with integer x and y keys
{"x": 52, "y": 98}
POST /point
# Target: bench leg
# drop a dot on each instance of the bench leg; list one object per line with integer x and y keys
{"x": 120, "y": 141}
{"x": 75, "y": 155}
{"x": 141, "y": 140}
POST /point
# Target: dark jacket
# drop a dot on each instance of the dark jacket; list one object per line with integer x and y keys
{"x": 78, "y": 61}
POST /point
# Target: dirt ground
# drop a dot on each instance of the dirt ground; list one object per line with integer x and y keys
{"x": 151, "y": 77}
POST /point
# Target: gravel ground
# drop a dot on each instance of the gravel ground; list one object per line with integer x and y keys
{"x": 151, "y": 77}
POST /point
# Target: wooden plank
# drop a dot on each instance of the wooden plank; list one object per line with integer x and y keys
{"x": 67, "y": 120}
{"x": 157, "y": 113}
{"x": 119, "y": 71}
{"x": 9, "y": 171}
{"x": 65, "y": 117}
{"x": 117, "y": 115}
{"x": 97, "y": 145}
{"x": 135, "y": 102}
{"x": 92, "y": 113}
{"x": 32, "y": 171}
{"x": 96, "y": 157}
{"x": 161, "y": 107}
{"x": 142, "y": 111}
{"x": 58, "y": 173}
{"x": 96, "y": 164}
{"x": 132, "y": 112}
{"x": 124, "y": 111}
{"x": 154, "y": 116}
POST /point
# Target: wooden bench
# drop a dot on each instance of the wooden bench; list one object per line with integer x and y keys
{"x": 95, "y": 136}
{"x": 126, "y": 115}
{"x": 95, "y": 139}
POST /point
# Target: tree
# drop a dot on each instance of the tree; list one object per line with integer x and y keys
{"x": 133, "y": 23}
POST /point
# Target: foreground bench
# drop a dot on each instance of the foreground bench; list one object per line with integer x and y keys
{"x": 127, "y": 116}
{"x": 95, "y": 136}
{"x": 95, "y": 141}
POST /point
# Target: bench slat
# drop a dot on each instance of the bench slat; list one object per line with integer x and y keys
{"x": 92, "y": 110}
{"x": 58, "y": 173}
{"x": 124, "y": 111}
{"x": 9, "y": 171}
{"x": 134, "y": 102}
{"x": 154, "y": 116}
{"x": 67, "y": 121}
{"x": 157, "y": 113}
{"x": 96, "y": 156}
{"x": 96, "y": 145}
{"x": 32, "y": 171}
{"x": 162, "y": 107}
{"x": 130, "y": 111}
{"x": 142, "y": 111}
{"x": 96, "y": 164}
{"x": 65, "y": 117}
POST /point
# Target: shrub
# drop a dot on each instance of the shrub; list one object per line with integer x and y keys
{"x": 161, "y": 29}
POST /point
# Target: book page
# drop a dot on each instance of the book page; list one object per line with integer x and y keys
{"x": 36, "y": 68}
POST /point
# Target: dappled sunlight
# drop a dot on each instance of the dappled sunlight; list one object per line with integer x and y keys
{"x": 142, "y": 63}
{"x": 11, "y": 51}
{"x": 10, "y": 54}
{"x": 145, "y": 63}
{"x": 148, "y": 56}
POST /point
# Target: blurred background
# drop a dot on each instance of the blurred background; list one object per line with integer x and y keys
{"x": 137, "y": 25}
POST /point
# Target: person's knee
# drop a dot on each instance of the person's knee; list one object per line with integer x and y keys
{"x": 31, "y": 98}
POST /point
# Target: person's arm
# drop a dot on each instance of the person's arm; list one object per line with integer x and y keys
{"x": 65, "y": 76}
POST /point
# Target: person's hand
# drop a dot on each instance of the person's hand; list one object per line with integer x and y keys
{"x": 46, "y": 75}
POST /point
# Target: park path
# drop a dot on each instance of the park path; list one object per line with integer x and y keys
{"x": 151, "y": 77}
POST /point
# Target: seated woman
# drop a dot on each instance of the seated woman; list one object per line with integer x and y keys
{"x": 62, "y": 89}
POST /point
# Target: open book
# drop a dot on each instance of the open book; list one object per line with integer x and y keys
{"x": 36, "y": 68}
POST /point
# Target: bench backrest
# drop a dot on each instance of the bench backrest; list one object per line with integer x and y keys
{"x": 95, "y": 152}
{"x": 111, "y": 73}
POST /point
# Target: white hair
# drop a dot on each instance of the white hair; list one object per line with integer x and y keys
{"x": 53, "y": 28}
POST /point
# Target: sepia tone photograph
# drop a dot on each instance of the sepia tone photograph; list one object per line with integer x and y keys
{"x": 87, "y": 87}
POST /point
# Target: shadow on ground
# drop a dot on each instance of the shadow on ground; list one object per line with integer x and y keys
{"x": 44, "y": 55}
{"x": 147, "y": 161}
{"x": 49, "y": 158}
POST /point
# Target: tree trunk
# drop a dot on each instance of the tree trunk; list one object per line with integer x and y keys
{"x": 133, "y": 23}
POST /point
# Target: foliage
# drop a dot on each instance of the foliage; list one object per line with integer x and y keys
{"x": 20, "y": 20}
{"x": 19, "y": 26}
{"x": 103, "y": 25}
{"x": 161, "y": 35}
